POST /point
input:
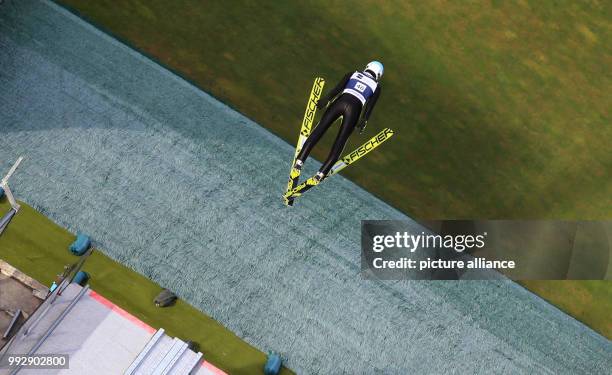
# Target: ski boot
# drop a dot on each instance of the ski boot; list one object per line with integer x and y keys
{"x": 296, "y": 170}
{"x": 294, "y": 175}
{"x": 303, "y": 187}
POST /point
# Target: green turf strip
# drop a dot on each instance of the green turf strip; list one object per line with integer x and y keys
{"x": 37, "y": 246}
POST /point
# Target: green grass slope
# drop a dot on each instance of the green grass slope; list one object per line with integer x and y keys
{"x": 589, "y": 301}
{"x": 39, "y": 247}
{"x": 502, "y": 109}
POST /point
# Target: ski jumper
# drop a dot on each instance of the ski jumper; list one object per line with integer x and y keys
{"x": 357, "y": 91}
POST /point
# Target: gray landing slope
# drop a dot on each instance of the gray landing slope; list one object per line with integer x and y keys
{"x": 186, "y": 191}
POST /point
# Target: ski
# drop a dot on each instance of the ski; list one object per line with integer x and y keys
{"x": 309, "y": 116}
{"x": 347, "y": 160}
{"x": 361, "y": 151}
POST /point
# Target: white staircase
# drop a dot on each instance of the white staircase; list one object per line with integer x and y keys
{"x": 164, "y": 355}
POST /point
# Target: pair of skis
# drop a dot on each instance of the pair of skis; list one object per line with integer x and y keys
{"x": 293, "y": 191}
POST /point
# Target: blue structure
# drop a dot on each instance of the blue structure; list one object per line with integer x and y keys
{"x": 80, "y": 245}
{"x": 273, "y": 364}
{"x": 81, "y": 278}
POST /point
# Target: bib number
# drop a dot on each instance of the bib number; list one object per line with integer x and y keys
{"x": 360, "y": 87}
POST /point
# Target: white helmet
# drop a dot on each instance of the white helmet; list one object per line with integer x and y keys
{"x": 376, "y": 68}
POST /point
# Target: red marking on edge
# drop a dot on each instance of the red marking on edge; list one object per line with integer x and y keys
{"x": 121, "y": 311}
{"x": 213, "y": 369}
{"x": 210, "y": 367}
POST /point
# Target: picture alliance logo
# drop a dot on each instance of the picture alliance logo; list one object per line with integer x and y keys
{"x": 412, "y": 242}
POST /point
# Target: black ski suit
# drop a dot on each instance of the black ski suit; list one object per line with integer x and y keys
{"x": 348, "y": 105}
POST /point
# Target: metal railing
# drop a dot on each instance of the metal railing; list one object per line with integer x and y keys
{"x": 28, "y": 338}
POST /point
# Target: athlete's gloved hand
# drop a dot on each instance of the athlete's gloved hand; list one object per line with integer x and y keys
{"x": 362, "y": 125}
{"x": 321, "y": 104}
